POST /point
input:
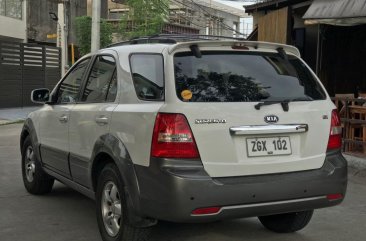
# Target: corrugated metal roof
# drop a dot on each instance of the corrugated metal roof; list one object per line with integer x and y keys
{"x": 336, "y": 9}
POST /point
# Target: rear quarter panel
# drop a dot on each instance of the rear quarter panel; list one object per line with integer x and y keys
{"x": 133, "y": 119}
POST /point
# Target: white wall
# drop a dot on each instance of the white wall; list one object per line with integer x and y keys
{"x": 14, "y": 28}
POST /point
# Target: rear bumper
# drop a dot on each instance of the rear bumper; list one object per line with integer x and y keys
{"x": 171, "y": 189}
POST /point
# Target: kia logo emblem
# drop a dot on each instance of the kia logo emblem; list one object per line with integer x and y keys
{"x": 271, "y": 119}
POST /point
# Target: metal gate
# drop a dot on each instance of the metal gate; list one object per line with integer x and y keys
{"x": 24, "y": 67}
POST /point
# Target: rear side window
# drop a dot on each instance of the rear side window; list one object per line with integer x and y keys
{"x": 243, "y": 77}
{"x": 148, "y": 76}
{"x": 101, "y": 85}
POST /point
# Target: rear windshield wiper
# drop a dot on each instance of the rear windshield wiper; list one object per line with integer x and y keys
{"x": 284, "y": 104}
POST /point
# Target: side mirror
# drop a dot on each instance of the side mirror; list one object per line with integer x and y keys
{"x": 40, "y": 96}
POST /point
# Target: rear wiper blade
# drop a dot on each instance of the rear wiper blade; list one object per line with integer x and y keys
{"x": 284, "y": 104}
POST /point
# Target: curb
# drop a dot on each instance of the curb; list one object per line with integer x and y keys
{"x": 356, "y": 166}
{"x": 355, "y": 162}
{"x": 9, "y": 122}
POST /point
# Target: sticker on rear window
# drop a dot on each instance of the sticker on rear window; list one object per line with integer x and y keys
{"x": 186, "y": 94}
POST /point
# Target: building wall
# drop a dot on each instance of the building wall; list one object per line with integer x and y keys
{"x": 40, "y": 24}
{"x": 274, "y": 27}
{"x": 207, "y": 19}
{"x": 13, "y": 29}
{"x": 257, "y": 16}
{"x": 218, "y": 22}
{"x": 103, "y": 8}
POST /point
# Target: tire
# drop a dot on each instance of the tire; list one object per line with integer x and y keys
{"x": 287, "y": 222}
{"x": 35, "y": 180}
{"x": 112, "y": 215}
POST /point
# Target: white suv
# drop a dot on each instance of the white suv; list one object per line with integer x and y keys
{"x": 188, "y": 131}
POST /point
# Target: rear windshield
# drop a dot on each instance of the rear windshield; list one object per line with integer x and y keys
{"x": 243, "y": 77}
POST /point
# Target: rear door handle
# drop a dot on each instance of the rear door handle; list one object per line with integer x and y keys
{"x": 102, "y": 120}
{"x": 63, "y": 118}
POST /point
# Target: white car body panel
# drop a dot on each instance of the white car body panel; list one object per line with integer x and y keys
{"x": 133, "y": 124}
{"x": 223, "y": 154}
{"x": 54, "y": 135}
{"x": 85, "y": 131}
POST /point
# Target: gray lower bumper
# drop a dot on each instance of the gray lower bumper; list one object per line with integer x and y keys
{"x": 171, "y": 189}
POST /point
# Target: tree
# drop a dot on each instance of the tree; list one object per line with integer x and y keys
{"x": 146, "y": 17}
{"x": 83, "y": 33}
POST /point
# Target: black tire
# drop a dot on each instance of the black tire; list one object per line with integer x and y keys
{"x": 287, "y": 222}
{"x": 111, "y": 176}
{"x": 38, "y": 182}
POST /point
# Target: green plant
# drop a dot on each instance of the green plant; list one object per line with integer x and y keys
{"x": 144, "y": 18}
{"x": 83, "y": 33}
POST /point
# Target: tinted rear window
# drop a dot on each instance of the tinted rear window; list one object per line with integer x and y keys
{"x": 243, "y": 77}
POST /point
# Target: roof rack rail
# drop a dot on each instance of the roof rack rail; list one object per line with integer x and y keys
{"x": 171, "y": 39}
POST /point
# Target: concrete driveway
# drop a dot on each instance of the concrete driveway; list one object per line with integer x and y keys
{"x": 69, "y": 216}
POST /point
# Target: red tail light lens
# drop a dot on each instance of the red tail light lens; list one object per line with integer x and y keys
{"x": 333, "y": 197}
{"x": 335, "y": 135}
{"x": 173, "y": 138}
{"x": 206, "y": 211}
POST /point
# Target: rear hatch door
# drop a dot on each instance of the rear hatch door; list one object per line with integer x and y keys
{"x": 219, "y": 93}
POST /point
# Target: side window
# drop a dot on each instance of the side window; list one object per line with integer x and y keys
{"x": 102, "y": 82}
{"x": 148, "y": 76}
{"x": 70, "y": 86}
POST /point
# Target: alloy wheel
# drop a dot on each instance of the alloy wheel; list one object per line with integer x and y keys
{"x": 111, "y": 208}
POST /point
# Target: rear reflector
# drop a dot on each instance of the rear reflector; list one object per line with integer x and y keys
{"x": 333, "y": 197}
{"x": 173, "y": 138}
{"x": 335, "y": 135}
{"x": 205, "y": 211}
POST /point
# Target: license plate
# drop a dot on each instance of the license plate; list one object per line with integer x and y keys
{"x": 269, "y": 146}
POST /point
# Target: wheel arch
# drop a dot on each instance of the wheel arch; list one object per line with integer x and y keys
{"x": 24, "y": 134}
{"x": 110, "y": 149}
{"x": 30, "y": 130}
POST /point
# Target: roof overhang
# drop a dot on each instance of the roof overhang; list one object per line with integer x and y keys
{"x": 271, "y": 5}
{"x": 336, "y": 12}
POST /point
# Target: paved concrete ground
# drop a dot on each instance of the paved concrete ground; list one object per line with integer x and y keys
{"x": 65, "y": 215}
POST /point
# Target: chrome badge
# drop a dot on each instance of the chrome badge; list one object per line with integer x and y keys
{"x": 210, "y": 121}
{"x": 271, "y": 119}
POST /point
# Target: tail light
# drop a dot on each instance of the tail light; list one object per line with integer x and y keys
{"x": 335, "y": 135}
{"x": 333, "y": 197}
{"x": 172, "y": 137}
{"x": 206, "y": 211}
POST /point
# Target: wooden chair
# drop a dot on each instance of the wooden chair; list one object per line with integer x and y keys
{"x": 362, "y": 95}
{"x": 349, "y": 129}
{"x": 340, "y": 103}
{"x": 356, "y": 130}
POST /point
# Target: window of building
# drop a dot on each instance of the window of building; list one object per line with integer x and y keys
{"x": 11, "y": 8}
{"x": 2, "y": 7}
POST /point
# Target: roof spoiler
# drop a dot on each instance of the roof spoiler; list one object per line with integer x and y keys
{"x": 254, "y": 44}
